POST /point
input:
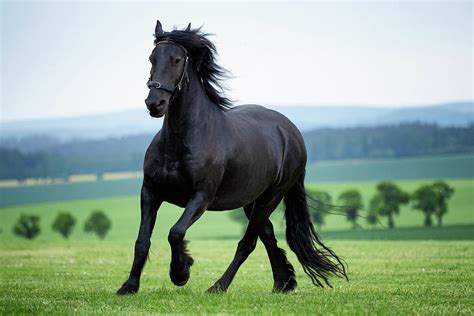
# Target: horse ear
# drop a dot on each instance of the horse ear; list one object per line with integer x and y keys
{"x": 188, "y": 28}
{"x": 158, "y": 28}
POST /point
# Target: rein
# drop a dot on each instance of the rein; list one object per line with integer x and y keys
{"x": 184, "y": 75}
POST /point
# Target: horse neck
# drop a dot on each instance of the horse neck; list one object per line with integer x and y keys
{"x": 190, "y": 110}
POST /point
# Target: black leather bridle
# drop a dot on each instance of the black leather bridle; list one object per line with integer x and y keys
{"x": 184, "y": 75}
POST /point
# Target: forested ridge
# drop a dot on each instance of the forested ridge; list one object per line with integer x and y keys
{"x": 395, "y": 141}
{"x": 41, "y": 157}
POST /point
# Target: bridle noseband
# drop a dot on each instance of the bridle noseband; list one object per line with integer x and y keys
{"x": 184, "y": 75}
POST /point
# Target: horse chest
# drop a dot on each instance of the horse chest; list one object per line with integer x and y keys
{"x": 169, "y": 173}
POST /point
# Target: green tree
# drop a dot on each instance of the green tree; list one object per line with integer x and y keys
{"x": 387, "y": 201}
{"x": 425, "y": 200}
{"x": 443, "y": 193}
{"x": 27, "y": 226}
{"x": 63, "y": 224}
{"x": 98, "y": 223}
{"x": 319, "y": 203}
{"x": 352, "y": 202}
{"x": 372, "y": 218}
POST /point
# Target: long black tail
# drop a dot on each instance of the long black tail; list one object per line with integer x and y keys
{"x": 318, "y": 261}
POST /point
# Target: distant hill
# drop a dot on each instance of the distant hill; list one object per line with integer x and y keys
{"x": 41, "y": 157}
{"x": 136, "y": 122}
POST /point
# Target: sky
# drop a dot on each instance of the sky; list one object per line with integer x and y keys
{"x": 77, "y": 58}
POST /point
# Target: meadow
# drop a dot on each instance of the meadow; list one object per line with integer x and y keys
{"x": 125, "y": 213}
{"x": 386, "y": 277}
{"x": 432, "y": 167}
{"x": 407, "y": 270}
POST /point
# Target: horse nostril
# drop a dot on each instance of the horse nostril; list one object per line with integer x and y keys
{"x": 162, "y": 102}
{"x": 148, "y": 102}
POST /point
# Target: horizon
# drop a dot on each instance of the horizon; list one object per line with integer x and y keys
{"x": 273, "y": 106}
{"x": 393, "y": 55}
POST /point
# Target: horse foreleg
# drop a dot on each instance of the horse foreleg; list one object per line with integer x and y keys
{"x": 149, "y": 208}
{"x": 181, "y": 261}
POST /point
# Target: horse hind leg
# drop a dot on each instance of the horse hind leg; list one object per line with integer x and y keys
{"x": 249, "y": 241}
{"x": 244, "y": 249}
{"x": 283, "y": 272}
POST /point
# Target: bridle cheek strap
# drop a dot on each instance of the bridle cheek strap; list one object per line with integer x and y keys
{"x": 182, "y": 79}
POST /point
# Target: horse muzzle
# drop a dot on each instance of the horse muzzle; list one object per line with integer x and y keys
{"x": 156, "y": 108}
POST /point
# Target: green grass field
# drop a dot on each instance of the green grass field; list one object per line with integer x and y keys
{"x": 386, "y": 277}
{"x": 408, "y": 270}
{"x": 124, "y": 213}
{"x": 455, "y": 166}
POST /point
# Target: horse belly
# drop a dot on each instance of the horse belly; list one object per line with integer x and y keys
{"x": 243, "y": 186}
{"x": 271, "y": 160}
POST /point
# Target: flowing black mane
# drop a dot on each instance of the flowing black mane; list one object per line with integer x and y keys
{"x": 203, "y": 55}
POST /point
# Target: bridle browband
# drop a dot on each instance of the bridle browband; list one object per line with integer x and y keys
{"x": 184, "y": 75}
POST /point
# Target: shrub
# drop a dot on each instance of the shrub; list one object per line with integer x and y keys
{"x": 63, "y": 224}
{"x": 98, "y": 223}
{"x": 27, "y": 226}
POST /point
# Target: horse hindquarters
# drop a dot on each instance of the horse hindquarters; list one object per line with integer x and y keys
{"x": 318, "y": 261}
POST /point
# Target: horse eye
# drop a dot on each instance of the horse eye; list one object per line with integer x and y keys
{"x": 177, "y": 60}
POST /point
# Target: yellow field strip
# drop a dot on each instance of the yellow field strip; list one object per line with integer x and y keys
{"x": 90, "y": 177}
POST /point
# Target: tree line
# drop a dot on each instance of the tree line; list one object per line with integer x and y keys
{"x": 43, "y": 157}
{"x": 403, "y": 140}
{"x": 430, "y": 199}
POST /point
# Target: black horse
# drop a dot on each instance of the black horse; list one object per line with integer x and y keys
{"x": 210, "y": 156}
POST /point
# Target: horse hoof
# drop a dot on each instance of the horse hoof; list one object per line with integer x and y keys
{"x": 180, "y": 275}
{"x": 216, "y": 288}
{"x": 285, "y": 287}
{"x": 179, "y": 278}
{"x": 127, "y": 288}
